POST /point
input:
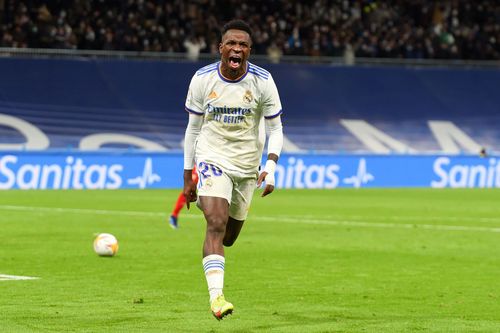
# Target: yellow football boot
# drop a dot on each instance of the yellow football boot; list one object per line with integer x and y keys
{"x": 221, "y": 308}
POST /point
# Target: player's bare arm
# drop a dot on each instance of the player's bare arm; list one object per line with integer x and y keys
{"x": 192, "y": 132}
{"x": 189, "y": 190}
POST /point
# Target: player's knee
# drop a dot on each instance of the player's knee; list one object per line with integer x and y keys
{"x": 216, "y": 225}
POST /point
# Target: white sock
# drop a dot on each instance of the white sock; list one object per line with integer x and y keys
{"x": 213, "y": 265}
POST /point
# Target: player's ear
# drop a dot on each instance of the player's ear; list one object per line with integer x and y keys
{"x": 220, "y": 48}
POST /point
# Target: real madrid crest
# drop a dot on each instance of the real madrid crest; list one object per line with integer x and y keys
{"x": 248, "y": 97}
{"x": 208, "y": 182}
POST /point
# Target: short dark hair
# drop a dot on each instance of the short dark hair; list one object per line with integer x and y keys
{"x": 238, "y": 25}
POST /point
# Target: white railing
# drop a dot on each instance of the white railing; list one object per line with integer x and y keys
{"x": 171, "y": 56}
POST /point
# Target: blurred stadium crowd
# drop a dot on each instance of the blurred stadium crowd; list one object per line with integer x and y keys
{"x": 458, "y": 29}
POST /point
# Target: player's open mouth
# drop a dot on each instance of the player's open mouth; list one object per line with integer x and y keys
{"x": 234, "y": 62}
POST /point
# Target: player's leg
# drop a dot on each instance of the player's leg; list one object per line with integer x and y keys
{"x": 238, "y": 210}
{"x": 233, "y": 229}
{"x": 214, "y": 195}
{"x": 216, "y": 211}
{"x": 181, "y": 201}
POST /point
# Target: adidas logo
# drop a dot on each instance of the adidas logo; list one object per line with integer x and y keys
{"x": 212, "y": 95}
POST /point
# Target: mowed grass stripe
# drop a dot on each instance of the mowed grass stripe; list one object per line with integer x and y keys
{"x": 277, "y": 218}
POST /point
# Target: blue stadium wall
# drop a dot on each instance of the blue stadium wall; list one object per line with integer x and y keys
{"x": 68, "y": 100}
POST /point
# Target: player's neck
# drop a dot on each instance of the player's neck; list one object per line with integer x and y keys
{"x": 232, "y": 74}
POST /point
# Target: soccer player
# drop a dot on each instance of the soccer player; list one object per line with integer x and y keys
{"x": 226, "y": 102}
{"x": 180, "y": 203}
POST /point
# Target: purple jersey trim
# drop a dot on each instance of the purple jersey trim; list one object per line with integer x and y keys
{"x": 232, "y": 81}
{"x": 193, "y": 111}
{"x": 274, "y": 115}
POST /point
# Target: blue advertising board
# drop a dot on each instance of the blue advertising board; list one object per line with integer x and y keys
{"x": 140, "y": 170}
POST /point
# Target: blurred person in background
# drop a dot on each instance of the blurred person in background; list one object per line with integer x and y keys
{"x": 194, "y": 45}
{"x": 391, "y": 29}
{"x": 180, "y": 203}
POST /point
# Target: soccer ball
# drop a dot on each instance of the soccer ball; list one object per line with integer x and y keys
{"x": 106, "y": 245}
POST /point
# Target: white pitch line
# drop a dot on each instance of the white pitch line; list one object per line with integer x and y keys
{"x": 301, "y": 217}
{"x": 412, "y": 218}
{"x": 79, "y": 211}
{"x": 381, "y": 225}
{"x": 5, "y": 277}
{"x": 285, "y": 219}
{"x": 301, "y": 220}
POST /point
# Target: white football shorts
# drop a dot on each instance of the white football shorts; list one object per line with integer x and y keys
{"x": 236, "y": 187}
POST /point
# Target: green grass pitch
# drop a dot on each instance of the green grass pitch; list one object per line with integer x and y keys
{"x": 393, "y": 260}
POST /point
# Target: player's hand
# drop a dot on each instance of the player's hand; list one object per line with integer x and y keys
{"x": 189, "y": 193}
{"x": 269, "y": 187}
{"x": 189, "y": 190}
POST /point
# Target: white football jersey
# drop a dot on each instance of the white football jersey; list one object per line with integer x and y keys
{"x": 232, "y": 112}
